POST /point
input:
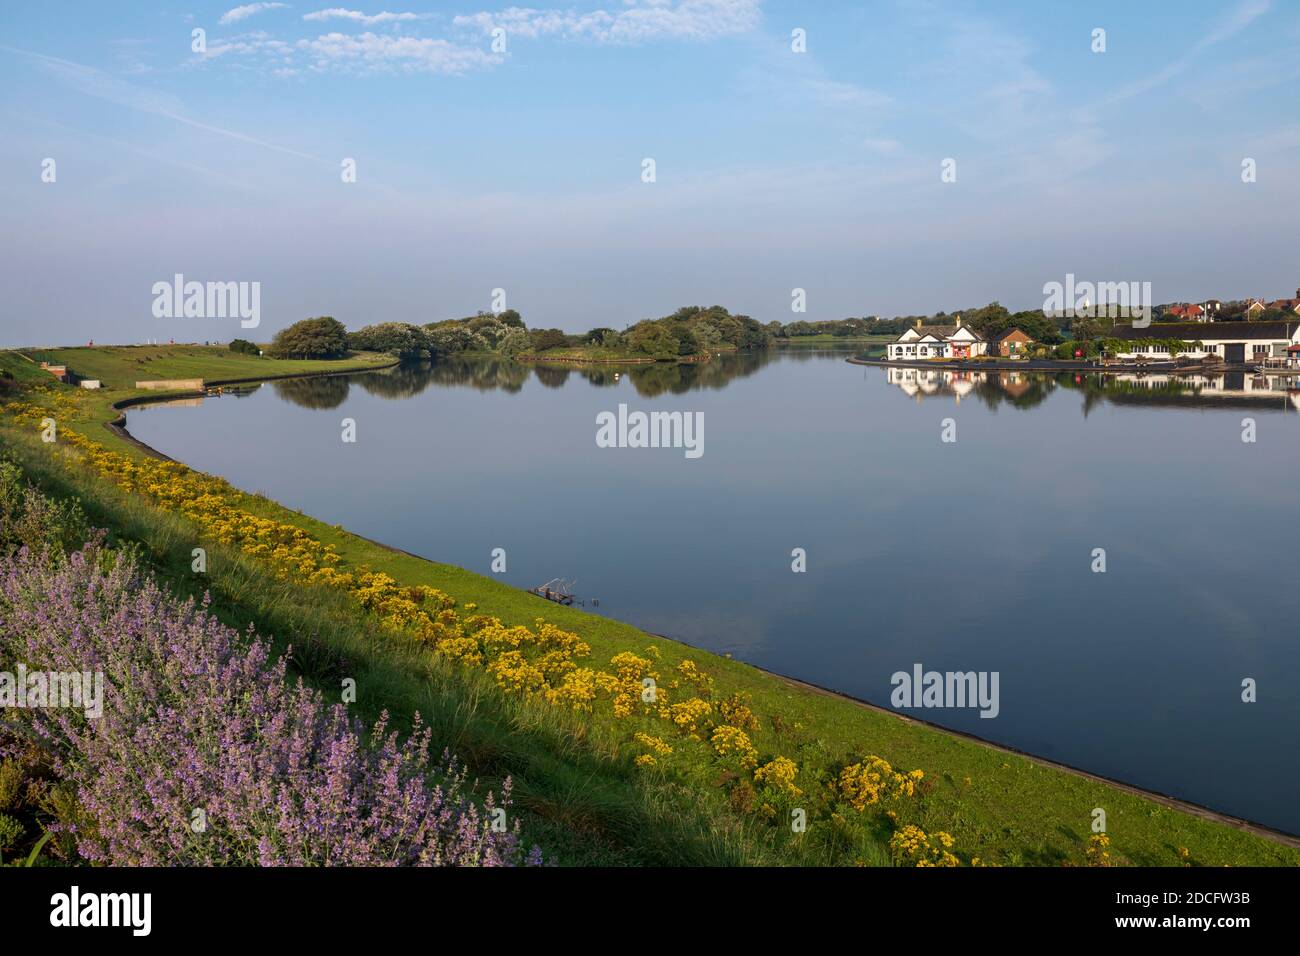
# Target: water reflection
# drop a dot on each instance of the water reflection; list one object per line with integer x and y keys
{"x": 492, "y": 374}
{"x": 1028, "y": 389}
{"x": 323, "y": 392}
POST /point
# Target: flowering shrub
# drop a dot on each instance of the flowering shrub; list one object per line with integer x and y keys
{"x": 204, "y": 754}
{"x": 912, "y": 846}
{"x": 779, "y": 774}
{"x": 865, "y": 783}
{"x": 1098, "y": 852}
{"x": 729, "y": 741}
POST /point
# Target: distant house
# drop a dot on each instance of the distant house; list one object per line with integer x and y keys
{"x": 1212, "y": 308}
{"x": 1286, "y": 305}
{"x": 1236, "y": 342}
{"x": 1012, "y": 343}
{"x": 1186, "y": 313}
{"x": 937, "y": 341}
{"x": 1256, "y": 307}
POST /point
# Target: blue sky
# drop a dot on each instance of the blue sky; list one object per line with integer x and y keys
{"x": 522, "y": 169}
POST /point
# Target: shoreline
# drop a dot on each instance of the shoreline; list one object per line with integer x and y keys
{"x": 1033, "y": 365}
{"x": 118, "y": 425}
{"x": 1169, "y": 801}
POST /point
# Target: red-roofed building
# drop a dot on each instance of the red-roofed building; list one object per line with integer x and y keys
{"x": 1186, "y": 313}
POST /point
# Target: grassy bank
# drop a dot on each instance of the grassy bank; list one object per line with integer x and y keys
{"x": 598, "y": 355}
{"x": 119, "y": 367}
{"x": 734, "y": 754}
{"x": 845, "y": 341}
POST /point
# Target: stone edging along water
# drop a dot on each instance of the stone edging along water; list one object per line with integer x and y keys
{"x": 118, "y": 427}
{"x": 1040, "y": 365}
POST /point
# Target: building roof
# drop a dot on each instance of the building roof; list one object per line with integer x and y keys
{"x": 1010, "y": 332}
{"x": 1214, "y": 331}
{"x": 943, "y": 332}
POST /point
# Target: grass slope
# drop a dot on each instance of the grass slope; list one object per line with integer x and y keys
{"x": 581, "y": 797}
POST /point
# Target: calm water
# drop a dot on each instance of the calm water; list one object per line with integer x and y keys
{"x": 969, "y": 555}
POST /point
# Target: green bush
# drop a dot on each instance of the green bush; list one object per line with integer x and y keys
{"x": 543, "y": 339}
{"x": 11, "y": 831}
{"x": 395, "y": 338}
{"x": 244, "y": 347}
{"x": 29, "y": 518}
{"x": 319, "y": 338}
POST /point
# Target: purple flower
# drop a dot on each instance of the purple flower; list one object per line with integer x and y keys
{"x": 206, "y": 755}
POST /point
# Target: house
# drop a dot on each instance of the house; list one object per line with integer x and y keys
{"x": 1212, "y": 308}
{"x": 1286, "y": 305}
{"x": 1256, "y": 307}
{"x": 1234, "y": 342}
{"x": 1187, "y": 313}
{"x": 1012, "y": 343}
{"x": 957, "y": 341}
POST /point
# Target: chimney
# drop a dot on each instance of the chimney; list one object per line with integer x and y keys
{"x": 918, "y": 323}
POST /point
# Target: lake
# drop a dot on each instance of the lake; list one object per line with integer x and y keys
{"x": 974, "y": 554}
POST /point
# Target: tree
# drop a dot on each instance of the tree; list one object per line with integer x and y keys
{"x": 396, "y": 338}
{"x": 323, "y": 337}
{"x": 653, "y": 338}
{"x": 543, "y": 339}
{"x": 514, "y": 342}
{"x": 1085, "y": 329}
{"x": 243, "y": 347}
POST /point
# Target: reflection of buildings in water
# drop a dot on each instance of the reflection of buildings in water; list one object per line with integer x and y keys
{"x": 922, "y": 382}
{"x": 174, "y": 403}
{"x": 1014, "y": 384}
{"x": 1228, "y": 387}
{"x": 1204, "y": 390}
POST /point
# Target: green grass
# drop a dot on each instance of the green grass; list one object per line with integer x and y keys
{"x": 825, "y": 338}
{"x": 120, "y": 367}
{"x": 580, "y": 797}
{"x": 587, "y": 353}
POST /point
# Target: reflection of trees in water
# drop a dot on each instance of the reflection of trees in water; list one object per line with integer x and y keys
{"x": 401, "y": 381}
{"x": 412, "y": 378}
{"x": 322, "y": 392}
{"x": 1018, "y": 391}
{"x": 670, "y": 377}
{"x": 487, "y": 373}
{"x": 602, "y": 376}
{"x": 552, "y": 376}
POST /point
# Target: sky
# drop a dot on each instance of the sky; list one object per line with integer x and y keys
{"x": 504, "y": 147}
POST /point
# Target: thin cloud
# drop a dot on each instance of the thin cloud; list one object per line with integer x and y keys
{"x": 372, "y": 52}
{"x": 340, "y": 13}
{"x": 105, "y": 86}
{"x": 1238, "y": 18}
{"x": 236, "y": 14}
{"x": 641, "y": 21}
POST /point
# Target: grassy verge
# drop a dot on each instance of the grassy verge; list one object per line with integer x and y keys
{"x": 846, "y": 341}
{"x": 119, "y": 367}
{"x": 593, "y": 354}
{"x": 585, "y": 790}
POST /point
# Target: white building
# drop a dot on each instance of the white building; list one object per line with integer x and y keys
{"x": 936, "y": 341}
{"x": 1243, "y": 343}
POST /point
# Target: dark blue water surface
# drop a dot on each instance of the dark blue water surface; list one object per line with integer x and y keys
{"x": 966, "y": 555}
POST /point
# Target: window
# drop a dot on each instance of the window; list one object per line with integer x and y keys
{"x": 1261, "y": 349}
